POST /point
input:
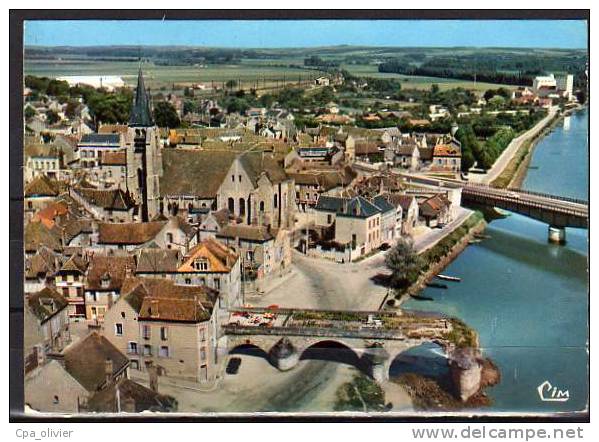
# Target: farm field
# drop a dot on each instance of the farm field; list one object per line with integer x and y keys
{"x": 417, "y": 82}
{"x": 158, "y": 76}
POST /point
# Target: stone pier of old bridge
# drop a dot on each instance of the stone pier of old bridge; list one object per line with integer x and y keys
{"x": 375, "y": 339}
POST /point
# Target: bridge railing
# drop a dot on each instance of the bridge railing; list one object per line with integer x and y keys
{"x": 528, "y": 192}
{"x": 534, "y": 204}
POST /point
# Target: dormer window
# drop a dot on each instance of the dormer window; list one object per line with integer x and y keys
{"x": 201, "y": 264}
{"x": 105, "y": 281}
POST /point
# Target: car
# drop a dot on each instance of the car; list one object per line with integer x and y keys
{"x": 233, "y": 366}
{"x": 513, "y": 195}
{"x": 384, "y": 246}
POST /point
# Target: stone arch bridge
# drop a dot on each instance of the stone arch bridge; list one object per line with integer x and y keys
{"x": 374, "y": 338}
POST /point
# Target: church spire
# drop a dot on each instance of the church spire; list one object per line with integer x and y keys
{"x": 140, "y": 113}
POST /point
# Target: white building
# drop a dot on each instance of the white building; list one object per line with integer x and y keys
{"x": 108, "y": 82}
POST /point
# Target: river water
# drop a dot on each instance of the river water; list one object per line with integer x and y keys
{"x": 528, "y": 299}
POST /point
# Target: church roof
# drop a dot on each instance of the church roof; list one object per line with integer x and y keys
{"x": 140, "y": 113}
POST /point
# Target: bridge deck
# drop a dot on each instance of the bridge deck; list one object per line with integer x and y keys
{"x": 348, "y": 324}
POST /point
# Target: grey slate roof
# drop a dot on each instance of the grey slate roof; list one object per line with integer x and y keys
{"x": 357, "y": 206}
{"x": 141, "y": 116}
{"x": 106, "y": 139}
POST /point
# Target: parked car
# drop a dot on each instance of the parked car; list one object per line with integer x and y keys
{"x": 233, "y": 366}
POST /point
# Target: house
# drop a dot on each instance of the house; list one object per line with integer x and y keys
{"x": 160, "y": 324}
{"x": 213, "y": 223}
{"x": 127, "y": 396}
{"x": 70, "y": 282}
{"x": 264, "y": 252}
{"x": 111, "y": 171}
{"x": 216, "y": 266}
{"x": 174, "y": 233}
{"x": 40, "y": 266}
{"x": 105, "y": 276}
{"x": 357, "y": 222}
{"x": 92, "y": 146}
{"x": 310, "y": 184}
{"x": 46, "y": 322}
{"x": 42, "y": 159}
{"x": 37, "y": 235}
{"x": 111, "y": 205}
{"x": 447, "y": 158}
{"x": 408, "y": 157}
{"x": 390, "y": 218}
{"x": 71, "y": 378}
{"x": 322, "y": 81}
{"x": 38, "y": 193}
{"x": 435, "y": 211}
{"x": 154, "y": 262}
{"x": 409, "y": 212}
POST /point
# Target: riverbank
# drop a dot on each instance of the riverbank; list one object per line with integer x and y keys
{"x": 441, "y": 254}
{"x": 524, "y": 157}
{"x": 510, "y": 151}
{"x": 436, "y": 394}
{"x": 514, "y": 173}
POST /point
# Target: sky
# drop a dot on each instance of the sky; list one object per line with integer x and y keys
{"x": 310, "y": 33}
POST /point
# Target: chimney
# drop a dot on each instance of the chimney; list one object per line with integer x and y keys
{"x": 108, "y": 369}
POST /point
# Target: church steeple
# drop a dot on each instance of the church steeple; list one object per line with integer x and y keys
{"x": 141, "y": 116}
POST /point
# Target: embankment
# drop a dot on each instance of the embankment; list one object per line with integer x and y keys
{"x": 441, "y": 254}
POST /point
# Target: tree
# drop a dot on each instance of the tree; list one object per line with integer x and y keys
{"x": 52, "y": 117}
{"x": 29, "y": 112}
{"x": 71, "y": 109}
{"x": 434, "y": 88}
{"x": 404, "y": 263}
{"x": 165, "y": 115}
{"x": 231, "y": 84}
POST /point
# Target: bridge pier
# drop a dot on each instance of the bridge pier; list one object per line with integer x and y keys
{"x": 284, "y": 355}
{"x": 376, "y": 359}
{"x": 556, "y": 235}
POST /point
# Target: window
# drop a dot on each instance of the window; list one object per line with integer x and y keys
{"x": 118, "y": 329}
{"x": 132, "y": 348}
{"x": 261, "y": 206}
{"x": 188, "y": 281}
{"x": 55, "y": 401}
{"x": 231, "y": 205}
{"x": 202, "y": 335}
{"x": 147, "y": 350}
{"x": 233, "y": 178}
{"x": 163, "y": 352}
{"x": 203, "y": 354}
{"x": 239, "y": 178}
{"x": 329, "y": 219}
{"x": 241, "y": 207}
{"x": 169, "y": 237}
{"x": 135, "y": 364}
{"x": 217, "y": 283}
{"x": 275, "y": 201}
{"x": 123, "y": 315}
{"x": 163, "y": 333}
{"x": 201, "y": 264}
{"x": 146, "y": 332}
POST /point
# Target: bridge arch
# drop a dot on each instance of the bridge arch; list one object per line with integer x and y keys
{"x": 428, "y": 358}
{"x": 332, "y": 350}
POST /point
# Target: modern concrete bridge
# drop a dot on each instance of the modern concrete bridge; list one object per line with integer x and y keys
{"x": 557, "y": 211}
{"x": 374, "y": 339}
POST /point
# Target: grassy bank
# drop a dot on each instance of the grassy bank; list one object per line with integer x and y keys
{"x": 515, "y": 172}
{"x": 435, "y": 259}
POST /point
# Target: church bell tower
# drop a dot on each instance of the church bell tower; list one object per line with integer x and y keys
{"x": 144, "y": 158}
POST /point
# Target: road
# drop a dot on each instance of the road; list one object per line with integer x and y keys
{"x": 506, "y": 156}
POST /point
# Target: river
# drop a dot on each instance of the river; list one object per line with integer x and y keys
{"x": 528, "y": 299}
